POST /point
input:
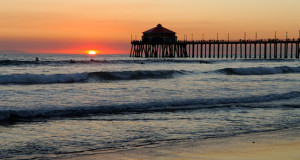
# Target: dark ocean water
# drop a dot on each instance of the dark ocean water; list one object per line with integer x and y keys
{"x": 57, "y": 108}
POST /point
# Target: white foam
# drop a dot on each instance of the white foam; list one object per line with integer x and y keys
{"x": 186, "y": 104}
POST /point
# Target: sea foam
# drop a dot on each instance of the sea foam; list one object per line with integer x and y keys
{"x": 8, "y": 115}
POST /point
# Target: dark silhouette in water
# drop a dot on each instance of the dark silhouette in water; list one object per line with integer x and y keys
{"x": 36, "y": 59}
{"x": 202, "y": 61}
{"x": 72, "y": 61}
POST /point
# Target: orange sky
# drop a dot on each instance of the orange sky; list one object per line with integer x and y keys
{"x": 68, "y": 26}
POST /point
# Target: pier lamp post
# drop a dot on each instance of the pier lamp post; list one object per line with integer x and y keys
{"x": 228, "y": 37}
{"x": 256, "y": 36}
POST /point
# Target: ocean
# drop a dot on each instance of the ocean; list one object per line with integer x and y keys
{"x": 57, "y": 108}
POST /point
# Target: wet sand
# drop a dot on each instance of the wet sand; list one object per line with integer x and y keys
{"x": 274, "y": 145}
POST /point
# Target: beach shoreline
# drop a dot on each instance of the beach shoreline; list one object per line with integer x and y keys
{"x": 272, "y": 145}
{"x": 115, "y": 108}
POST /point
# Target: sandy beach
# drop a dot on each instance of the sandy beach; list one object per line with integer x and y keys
{"x": 274, "y": 145}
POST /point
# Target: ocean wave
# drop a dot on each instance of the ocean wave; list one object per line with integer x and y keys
{"x": 260, "y": 70}
{"x": 95, "y": 61}
{"x": 4, "y": 63}
{"x": 14, "y": 115}
{"x": 86, "y": 77}
{"x": 61, "y": 62}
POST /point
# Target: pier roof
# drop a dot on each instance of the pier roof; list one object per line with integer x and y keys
{"x": 159, "y": 29}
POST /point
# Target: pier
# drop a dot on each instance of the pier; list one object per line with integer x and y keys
{"x": 160, "y": 42}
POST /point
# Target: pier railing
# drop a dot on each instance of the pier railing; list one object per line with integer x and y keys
{"x": 245, "y": 49}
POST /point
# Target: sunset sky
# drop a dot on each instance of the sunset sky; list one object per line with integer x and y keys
{"x": 68, "y": 26}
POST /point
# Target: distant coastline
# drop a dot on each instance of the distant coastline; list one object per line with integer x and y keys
{"x": 13, "y": 52}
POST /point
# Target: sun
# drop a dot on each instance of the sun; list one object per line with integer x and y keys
{"x": 92, "y": 52}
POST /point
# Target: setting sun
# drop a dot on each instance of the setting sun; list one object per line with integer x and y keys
{"x": 92, "y": 52}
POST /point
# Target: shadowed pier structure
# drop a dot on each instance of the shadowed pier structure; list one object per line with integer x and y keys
{"x": 160, "y": 42}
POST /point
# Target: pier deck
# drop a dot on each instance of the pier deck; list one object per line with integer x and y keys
{"x": 244, "y": 49}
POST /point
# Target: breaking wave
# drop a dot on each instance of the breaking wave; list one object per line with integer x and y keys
{"x": 260, "y": 70}
{"x": 86, "y": 77}
{"x": 13, "y": 115}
